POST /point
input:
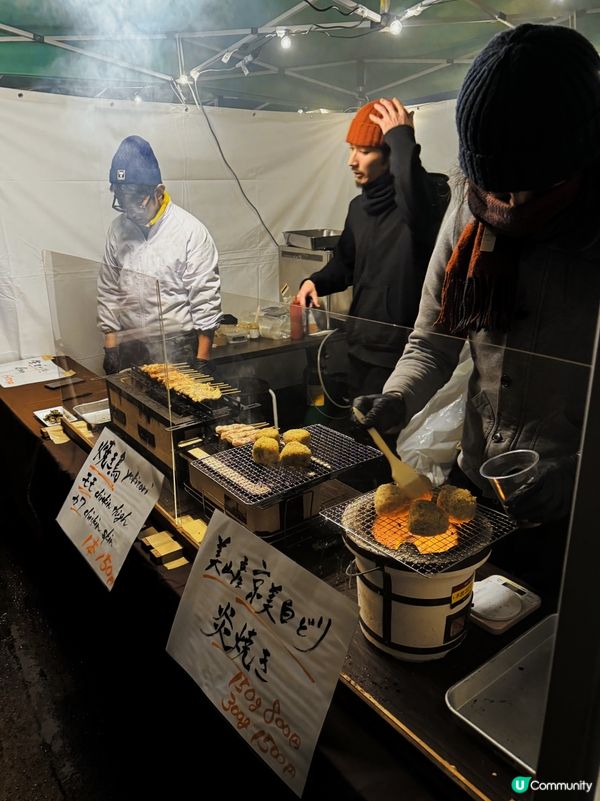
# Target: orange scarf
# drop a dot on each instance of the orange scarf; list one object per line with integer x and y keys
{"x": 480, "y": 279}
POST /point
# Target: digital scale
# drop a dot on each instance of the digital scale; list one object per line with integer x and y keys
{"x": 499, "y": 603}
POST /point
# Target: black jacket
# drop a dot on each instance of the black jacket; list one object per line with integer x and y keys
{"x": 384, "y": 255}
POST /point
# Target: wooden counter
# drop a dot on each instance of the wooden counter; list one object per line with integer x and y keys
{"x": 408, "y": 697}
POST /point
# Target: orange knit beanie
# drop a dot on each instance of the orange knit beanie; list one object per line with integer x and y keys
{"x": 362, "y": 131}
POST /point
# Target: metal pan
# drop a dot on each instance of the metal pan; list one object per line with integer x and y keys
{"x": 504, "y": 700}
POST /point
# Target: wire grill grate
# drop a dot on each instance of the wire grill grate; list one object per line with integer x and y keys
{"x": 357, "y": 517}
{"x": 180, "y": 403}
{"x": 261, "y": 485}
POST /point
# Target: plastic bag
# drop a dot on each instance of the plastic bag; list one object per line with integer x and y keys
{"x": 429, "y": 442}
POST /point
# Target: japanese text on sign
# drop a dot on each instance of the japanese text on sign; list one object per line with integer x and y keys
{"x": 265, "y": 640}
{"x": 108, "y": 504}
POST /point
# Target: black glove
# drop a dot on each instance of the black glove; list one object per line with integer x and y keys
{"x": 548, "y": 495}
{"x": 112, "y": 361}
{"x": 202, "y": 365}
{"x": 385, "y": 412}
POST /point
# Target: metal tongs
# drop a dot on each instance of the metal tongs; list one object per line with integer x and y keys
{"x": 405, "y": 476}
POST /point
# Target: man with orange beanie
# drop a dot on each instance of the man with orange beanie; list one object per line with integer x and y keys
{"x": 388, "y": 236}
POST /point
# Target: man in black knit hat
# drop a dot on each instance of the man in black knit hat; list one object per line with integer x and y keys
{"x": 516, "y": 272}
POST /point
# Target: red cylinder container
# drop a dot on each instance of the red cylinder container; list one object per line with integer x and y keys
{"x": 297, "y": 320}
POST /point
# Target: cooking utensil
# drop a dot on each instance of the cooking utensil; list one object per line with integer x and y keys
{"x": 405, "y": 476}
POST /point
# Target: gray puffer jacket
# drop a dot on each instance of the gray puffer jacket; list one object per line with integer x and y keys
{"x": 528, "y": 387}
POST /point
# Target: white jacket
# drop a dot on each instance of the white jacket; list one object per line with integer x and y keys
{"x": 180, "y": 256}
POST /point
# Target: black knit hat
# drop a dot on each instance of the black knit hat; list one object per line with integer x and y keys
{"x": 134, "y": 163}
{"x": 528, "y": 112}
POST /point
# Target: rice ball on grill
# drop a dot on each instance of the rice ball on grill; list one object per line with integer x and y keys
{"x": 426, "y": 519}
{"x": 265, "y": 451}
{"x": 296, "y": 435}
{"x": 271, "y": 433}
{"x": 390, "y": 498}
{"x": 295, "y": 454}
{"x": 458, "y": 503}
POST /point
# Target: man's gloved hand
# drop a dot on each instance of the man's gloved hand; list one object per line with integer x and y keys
{"x": 202, "y": 365}
{"x": 112, "y": 360}
{"x": 385, "y": 412}
{"x": 548, "y": 495}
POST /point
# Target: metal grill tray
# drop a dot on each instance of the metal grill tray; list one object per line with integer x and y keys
{"x": 505, "y": 699}
{"x": 181, "y": 404}
{"x": 356, "y": 519}
{"x": 259, "y": 485}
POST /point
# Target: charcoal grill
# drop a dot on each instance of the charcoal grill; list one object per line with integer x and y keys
{"x": 260, "y": 485}
{"x": 209, "y": 409}
{"x": 139, "y": 409}
{"x": 356, "y": 518}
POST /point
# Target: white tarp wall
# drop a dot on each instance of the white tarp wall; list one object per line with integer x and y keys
{"x": 55, "y": 153}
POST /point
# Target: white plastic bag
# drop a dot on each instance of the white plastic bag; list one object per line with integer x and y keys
{"x": 429, "y": 441}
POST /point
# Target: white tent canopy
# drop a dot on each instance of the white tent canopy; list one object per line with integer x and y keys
{"x": 55, "y": 152}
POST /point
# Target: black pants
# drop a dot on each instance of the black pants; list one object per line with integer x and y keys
{"x": 365, "y": 378}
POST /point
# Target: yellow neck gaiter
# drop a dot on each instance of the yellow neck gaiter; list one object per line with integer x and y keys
{"x": 161, "y": 211}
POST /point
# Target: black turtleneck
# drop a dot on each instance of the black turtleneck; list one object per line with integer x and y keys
{"x": 379, "y": 195}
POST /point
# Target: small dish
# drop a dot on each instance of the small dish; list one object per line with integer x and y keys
{"x": 53, "y": 415}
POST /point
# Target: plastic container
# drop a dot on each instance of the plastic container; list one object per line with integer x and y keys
{"x": 297, "y": 321}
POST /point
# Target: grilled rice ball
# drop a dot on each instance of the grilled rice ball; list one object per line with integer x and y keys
{"x": 265, "y": 451}
{"x": 296, "y": 435}
{"x": 426, "y": 519}
{"x": 295, "y": 454}
{"x": 390, "y": 498}
{"x": 271, "y": 433}
{"x": 458, "y": 503}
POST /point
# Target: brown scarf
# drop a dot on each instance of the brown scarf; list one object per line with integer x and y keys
{"x": 481, "y": 276}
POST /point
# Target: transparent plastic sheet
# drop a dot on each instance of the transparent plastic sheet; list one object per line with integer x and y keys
{"x": 92, "y": 399}
{"x": 429, "y": 442}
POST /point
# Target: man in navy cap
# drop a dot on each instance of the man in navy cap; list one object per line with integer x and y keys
{"x": 153, "y": 240}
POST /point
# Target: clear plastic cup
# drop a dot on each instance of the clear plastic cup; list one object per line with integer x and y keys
{"x": 509, "y": 471}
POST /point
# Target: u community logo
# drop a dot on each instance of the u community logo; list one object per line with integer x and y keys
{"x": 520, "y": 784}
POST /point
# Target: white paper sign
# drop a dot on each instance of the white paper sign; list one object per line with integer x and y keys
{"x": 29, "y": 371}
{"x": 265, "y": 640}
{"x": 109, "y": 502}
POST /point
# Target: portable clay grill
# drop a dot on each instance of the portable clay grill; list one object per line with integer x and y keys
{"x": 415, "y": 597}
{"x": 139, "y": 407}
{"x": 272, "y": 499}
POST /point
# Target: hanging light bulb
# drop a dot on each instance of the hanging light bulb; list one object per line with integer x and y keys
{"x": 395, "y": 26}
{"x": 137, "y": 98}
{"x": 285, "y": 40}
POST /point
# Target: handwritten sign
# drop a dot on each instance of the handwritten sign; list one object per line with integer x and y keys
{"x": 265, "y": 640}
{"x": 108, "y": 504}
{"x": 29, "y": 371}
